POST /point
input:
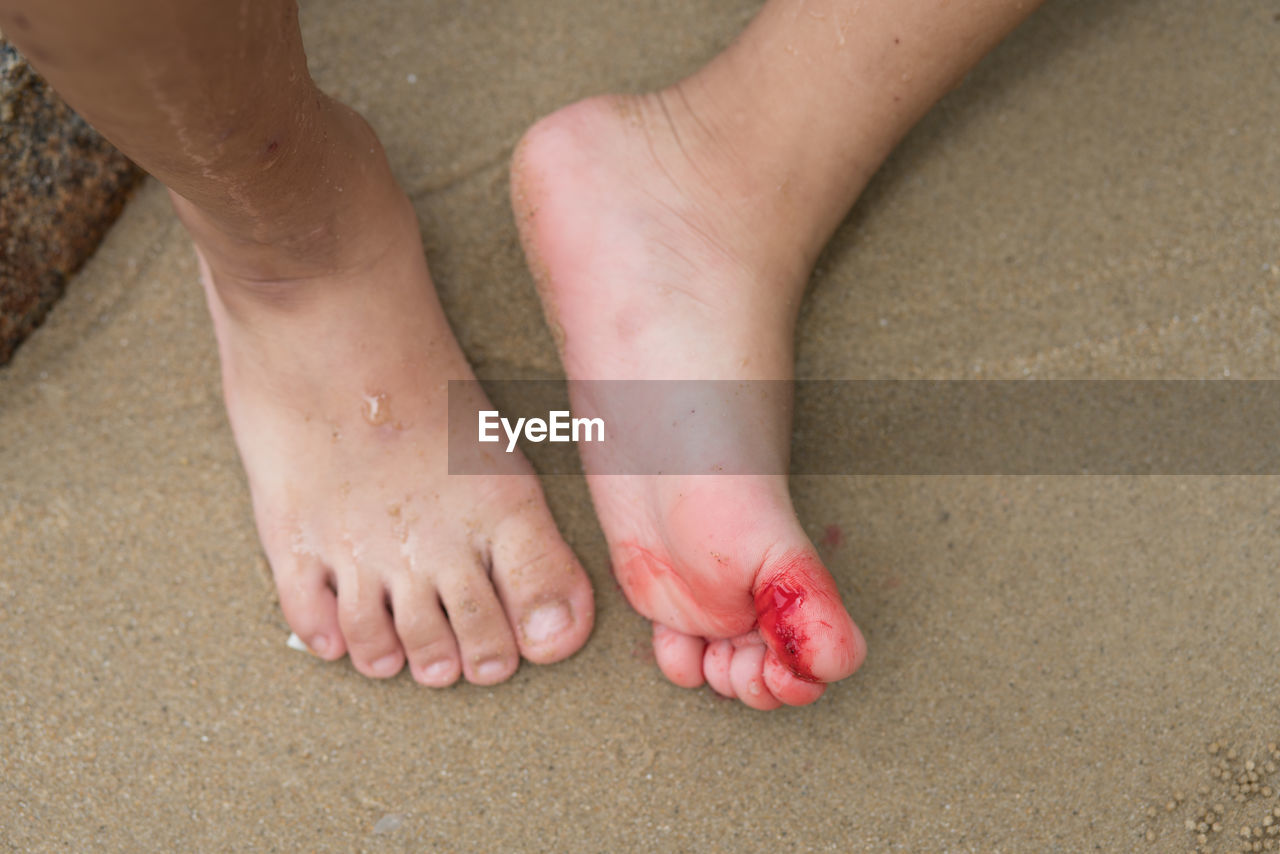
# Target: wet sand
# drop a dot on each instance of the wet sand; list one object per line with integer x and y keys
{"x": 1049, "y": 656}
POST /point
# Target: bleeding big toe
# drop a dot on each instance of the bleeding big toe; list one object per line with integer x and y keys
{"x": 803, "y": 620}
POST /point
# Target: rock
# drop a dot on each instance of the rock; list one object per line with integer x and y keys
{"x": 61, "y": 187}
{"x": 388, "y": 824}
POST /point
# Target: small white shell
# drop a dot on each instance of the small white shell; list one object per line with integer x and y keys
{"x": 295, "y": 642}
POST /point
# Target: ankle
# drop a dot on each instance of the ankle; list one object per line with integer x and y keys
{"x": 768, "y": 191}
{"x": 717, "y": 190}
{"x": 310, "y": 204}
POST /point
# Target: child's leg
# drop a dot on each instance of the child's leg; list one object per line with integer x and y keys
{"x": 689, "y": 219}
{"x": 335, "y": 353}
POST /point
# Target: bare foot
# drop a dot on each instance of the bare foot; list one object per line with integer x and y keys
{"x": 335, "y": 360}
{"x": 636, "y": 229}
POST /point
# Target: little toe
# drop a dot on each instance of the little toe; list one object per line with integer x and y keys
{"x": 310, "y": 606}
{"x": 485, "y": 642}
{"x": 747, "y": 677}
{"x": 546, "y": 593}
{"x": 679, "y": 656}
{"x": 715, "y": 666}
{"x": 784, "y": 685}
{"x": 366, "y": 624}
{"x": 425, "y": 635}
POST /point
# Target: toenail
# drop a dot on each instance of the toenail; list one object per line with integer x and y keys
{"x": 387, "y": 664}
{"x": 546, "y": 622}
{"x": 494, "y": 668}
{"x": 438, "y": 671}
{"x": 319, "y": 645}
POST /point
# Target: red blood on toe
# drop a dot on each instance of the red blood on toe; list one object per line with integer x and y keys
{"x": 777, "y": 604}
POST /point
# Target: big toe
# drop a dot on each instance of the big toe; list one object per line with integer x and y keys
{"x": 544, "y": 590}
{"x": 803, "y": 620}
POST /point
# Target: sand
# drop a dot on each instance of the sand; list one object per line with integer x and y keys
{"x": 1050, "y": 657}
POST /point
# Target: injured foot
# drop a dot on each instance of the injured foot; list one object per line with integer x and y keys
{"x": 648, "y": 271}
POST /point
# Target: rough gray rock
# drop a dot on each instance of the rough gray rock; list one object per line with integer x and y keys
{"x": 61, "y": 187}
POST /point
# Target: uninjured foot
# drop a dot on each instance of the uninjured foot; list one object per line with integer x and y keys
{"x": 641, "y": 235}
{"x": 335, "y": 359}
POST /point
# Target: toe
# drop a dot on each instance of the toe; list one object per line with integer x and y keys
{"x": 542, "y": 587}
{"x": 679, "y": 656}
{"x": 309, "y": 605}
{"x": 715, "y": 666}
{"x": 425, "y": 635}
{"x": 746, "y": 674}
{"x": 366, "y": 624}
{"x": 485, "y": 642}
{"x": 803, "y": 621}
{"x": 784, "y": 685}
